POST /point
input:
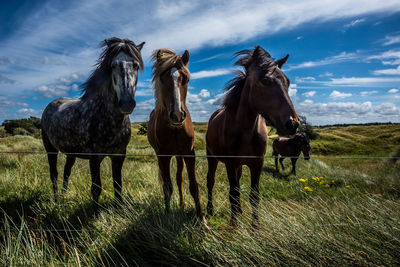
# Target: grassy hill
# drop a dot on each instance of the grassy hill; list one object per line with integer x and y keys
{"x": 337, "y": 211}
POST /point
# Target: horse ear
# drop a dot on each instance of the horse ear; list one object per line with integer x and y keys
{"x": 140, "y": 46}
{"x": 282, "y": 61}
{"x": 185, "y": 57}
{"x": 159, "y": 54}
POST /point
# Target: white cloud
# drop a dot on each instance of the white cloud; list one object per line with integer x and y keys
{"x": 292, "y": 90}
{"x": 390, "y": 57}
{"x": 326, "y": 74}
{"x": 307, "y": 102}
{"x": 210, "y": 73}
{"x": 337, "y": 94}
{"x": 354, "y": 23}
{"x": 362, "y": 81}
{"x": 342, "y": 57}
{"x": 204, "y": 93}
{"x": 365, "y": 93}
{"x": 393, "y": 91}
{"x": 348, "y": 112}
{"x": 395, "y": 71}
{"x": 391, "y": 39}
{"x": 29, "y": 112}
{"x": 304, "y": 79}
{"x": 309, "y": 93}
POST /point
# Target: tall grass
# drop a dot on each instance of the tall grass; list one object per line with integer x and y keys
{"x": 352, "y": 221}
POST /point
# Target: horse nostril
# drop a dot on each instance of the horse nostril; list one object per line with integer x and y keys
{"x": 172, "y": 116}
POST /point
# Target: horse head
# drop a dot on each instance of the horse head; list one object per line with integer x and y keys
{"x": 171, "y": 78}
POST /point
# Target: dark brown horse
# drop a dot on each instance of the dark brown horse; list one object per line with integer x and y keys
{"x": 170, "y": 128}
{"x": 291, "y": 147}
{"x": 97, "y": 124}
{"x": 237, "y": 133}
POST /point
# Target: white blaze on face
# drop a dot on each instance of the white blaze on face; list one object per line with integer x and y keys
{"x": 177, "y": 94}
{"x": 123, "y": 73}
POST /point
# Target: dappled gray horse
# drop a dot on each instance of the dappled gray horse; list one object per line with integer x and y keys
{"x": 97, "y": 124}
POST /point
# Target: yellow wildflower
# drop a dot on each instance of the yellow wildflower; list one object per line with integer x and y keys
{"x": 321, "y": 183}
{"x": 308, "y": 189}
{"x": 348, "y": 186}
{"x": 303, "y": 180}
{"x": 327, "y": 185}
{"x": 333, "y": 181}
{"x": 316, "y": 179}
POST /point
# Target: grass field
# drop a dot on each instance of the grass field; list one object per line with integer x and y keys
{"x": 337, "y": 211}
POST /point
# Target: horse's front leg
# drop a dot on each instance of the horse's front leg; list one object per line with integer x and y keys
{"x": 117, "y": 162}
{"x": 193, "y": 186}
{"x": 164, "y": 165}
{"x": 234, "y": 192}
{"x": 281, "y": 161}
{"x": 179, "y": 180}
{"x": 255, "y": 170}
{"x": 212, "y": 167}
{"x": 294, "y": 165}
{"x": 94, "y": 163}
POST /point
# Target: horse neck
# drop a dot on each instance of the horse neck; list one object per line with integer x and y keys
{"x": 246, "y": 117}
{"x": 103, "y": 102}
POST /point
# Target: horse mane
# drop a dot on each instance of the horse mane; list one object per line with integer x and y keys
{"x": 235, "y": 86}
{"x": 98, "y": 80}
{"x": 164, "y": 59}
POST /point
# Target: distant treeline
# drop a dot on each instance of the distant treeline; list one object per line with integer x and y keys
{"x": 29, "y": 126}
{"x": 356, "y": 124}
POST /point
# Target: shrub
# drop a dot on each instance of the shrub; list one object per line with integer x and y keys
{"x": 29, "y": 126}
{"x": 307, "y": 128}
{"x": 142, "y": 128}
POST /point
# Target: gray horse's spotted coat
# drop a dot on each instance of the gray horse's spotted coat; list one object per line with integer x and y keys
{"x": 97, "y": 123}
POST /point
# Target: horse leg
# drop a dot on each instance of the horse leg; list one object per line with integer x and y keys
{"x": 193, "y": 187}
{"x": 276, "y": 163}
{"x": 212, "y": 167}
{"x": 179, "y": 180}
{"x": 234, "y": 193}
{"x": 67, "y": 172}
{"x": 94, "y": 163}
{"x": 117, "y": 162}
{"x": 255, "y": 171}
{"x": 281, "y": 161}
{"x": 294, "y": 165}
{"x": 52, "y": 158}
{"x": 164, "y": 165}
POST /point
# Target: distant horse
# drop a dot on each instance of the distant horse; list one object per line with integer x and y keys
{"x": 237, "y": 133}
{"x": 291, "y": 147}
{"x": 170, "y": 128}
{"x": 98, "y": 123}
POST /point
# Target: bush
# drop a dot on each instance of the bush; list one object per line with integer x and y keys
{"x": 29, "y": 126}
{"x": 307, "y": 128}
{"x": 142, "y": 128}
{"x": 20, "y": 131}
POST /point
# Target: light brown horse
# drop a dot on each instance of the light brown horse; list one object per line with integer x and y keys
{"x": 237, "y": 133}
{"x": 170, "y": 129}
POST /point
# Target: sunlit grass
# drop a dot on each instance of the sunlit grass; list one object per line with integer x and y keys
{"x": 350, "y": 215}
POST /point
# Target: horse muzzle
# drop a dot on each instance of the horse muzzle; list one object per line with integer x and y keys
{"x": 177, "y": 117}
{"x": 126, "y": 107}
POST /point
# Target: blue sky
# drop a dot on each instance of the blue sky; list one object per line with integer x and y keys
{"x": 344, "y": 62}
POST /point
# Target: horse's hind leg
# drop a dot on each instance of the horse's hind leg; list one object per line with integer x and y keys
{"x": 212, "y": 166}
{"x": 94, "y": 163}
{"x": 255, "y": 171}
{"x": 281, "y": 161}
{"x": 67, "y": 172}
{"x": 164, "y": 165}
{"x": 193, "y": 186}
{"x": 52, "y": 158}
{"x": 179, "y": 180}
{"x": 117, "y": 162}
